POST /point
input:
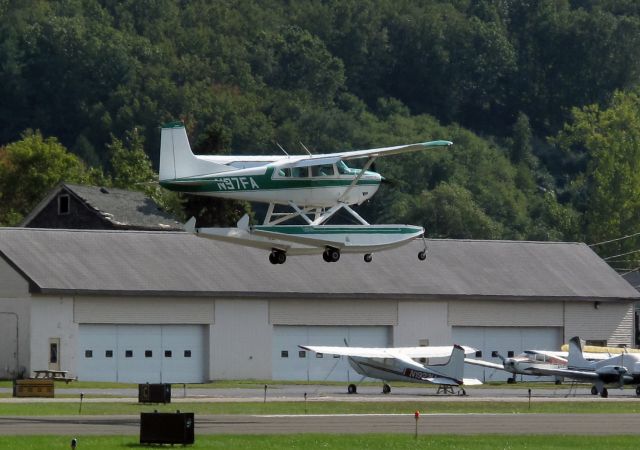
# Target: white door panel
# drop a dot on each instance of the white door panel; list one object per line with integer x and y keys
{"x": 142, "y": 353}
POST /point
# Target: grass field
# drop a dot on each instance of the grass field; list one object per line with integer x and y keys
{"x": 259, "y": 384}
{"x": 318, "y": 407}
{"x": 381, "y": 441}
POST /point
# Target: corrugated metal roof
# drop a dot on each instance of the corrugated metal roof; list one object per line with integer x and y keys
{"x": 162, "y": 263}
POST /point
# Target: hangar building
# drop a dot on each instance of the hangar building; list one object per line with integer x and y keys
{"x": 147, "y": 306}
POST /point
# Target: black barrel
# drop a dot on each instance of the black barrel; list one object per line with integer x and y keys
{"x": 154, "y": 393}
{"x": 167, "y": 428}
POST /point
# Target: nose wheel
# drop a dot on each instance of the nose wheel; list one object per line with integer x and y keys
{"x": 422, "y": 255}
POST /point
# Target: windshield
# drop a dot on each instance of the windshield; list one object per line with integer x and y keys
{"x": 343, "y": 169}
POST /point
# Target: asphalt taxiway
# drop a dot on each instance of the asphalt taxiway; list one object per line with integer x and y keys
{"x": 508, "y": 424}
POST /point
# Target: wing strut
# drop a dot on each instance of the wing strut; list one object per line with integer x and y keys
{"x": 356, "y": 179}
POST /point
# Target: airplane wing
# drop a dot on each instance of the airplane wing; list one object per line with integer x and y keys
{"x": 570, "y": 373}
{"x": 331, "y": 158}
{"x": 483, "y": 363}
{"x": 387, "y": 151}
{"x": 393, "y": 352}
{"x": 434, "y": 351}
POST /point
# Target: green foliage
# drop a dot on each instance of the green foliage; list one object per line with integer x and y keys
{"x": 131, "y": 169}
{"x": 496, "y": 77}
{"x": 610, "y": 139}
{"x": 29, "y": 168}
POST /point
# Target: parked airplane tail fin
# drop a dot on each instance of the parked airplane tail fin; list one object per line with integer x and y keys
{"x": 454, "y": 368}
{"x": 576, "y": 358}
{"x": 176, "y": 158}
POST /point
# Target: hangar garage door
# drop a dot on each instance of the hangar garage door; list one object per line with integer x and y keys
{"x": 142, "y": 353}
{"x": 506, "y": 340}
{"x": 289, "y": 362}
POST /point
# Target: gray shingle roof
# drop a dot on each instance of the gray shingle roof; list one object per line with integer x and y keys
{"x": 123, "y": 208}
{"x": 147, "y": 263}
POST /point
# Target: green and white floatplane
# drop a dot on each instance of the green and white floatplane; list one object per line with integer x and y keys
{"x": 312, "y": 187}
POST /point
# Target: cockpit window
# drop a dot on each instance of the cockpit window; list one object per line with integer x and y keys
{"x": 300, "y": 172}
{"x": 325, "y": 170}
{"x": 292, "y": 172}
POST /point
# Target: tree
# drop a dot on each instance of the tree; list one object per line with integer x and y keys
{"x": 130, "y": 165}
{"x": 131, "y": 169}
{"x": 450, "y": 211}
{"x": 611, "y": 140}
{"x": 29, "y": 168}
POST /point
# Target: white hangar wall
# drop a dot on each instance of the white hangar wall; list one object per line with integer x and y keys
{"x": 610, "y": 321}
{"x": 52, "y": 324}
{"x": 241, "y": 335}
{"x": 241, "y": 340}
{"x": 14, "y": 322}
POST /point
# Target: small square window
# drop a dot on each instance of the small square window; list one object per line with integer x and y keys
{"x": 128, "y": 354}
{"x": 88, "y": 353}
{"x": 167, "y": 353}
{"x": 302, "y": 354}
{"x": 148, "y": 354}
{"x": 108, "y": 354}
{"x": 284, "y": 354}
{"x": 187, "y": 353}
{"x": 510, "y": 354}
{"x": 319, "y": 355}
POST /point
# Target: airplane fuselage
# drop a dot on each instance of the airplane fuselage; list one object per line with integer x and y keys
{"x": 393, "y": 370}
{"x": 315, "y": 186}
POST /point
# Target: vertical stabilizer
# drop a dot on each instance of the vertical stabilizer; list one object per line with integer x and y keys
{"x": 454, "y": 368}
{"x": 576, "y": 358}
{"x": 176, "y": 158}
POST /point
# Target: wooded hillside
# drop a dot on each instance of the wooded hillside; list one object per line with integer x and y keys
{"x": 540, "y": 98}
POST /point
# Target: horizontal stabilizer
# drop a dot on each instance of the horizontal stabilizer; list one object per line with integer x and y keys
{"x": 441, "y": 381}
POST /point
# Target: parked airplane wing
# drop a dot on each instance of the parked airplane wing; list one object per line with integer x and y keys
{"x": 364, "y": 352}
{"x": 571, "y": 373}
{"x": 393, "y": 352}
{"x": 483, "y": 363}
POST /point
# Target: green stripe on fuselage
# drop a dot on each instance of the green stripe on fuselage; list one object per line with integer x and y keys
{"x": 336, "y": 229}
{"x": 257, "y": 182}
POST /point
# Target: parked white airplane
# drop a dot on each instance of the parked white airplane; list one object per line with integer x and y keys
{"x": 529, "y": 361}
{"x": 314, "y": 187}
{"x": 525, "y": 363}
{"x": 398, "y": 364}
{"x": 618, "y": 370}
